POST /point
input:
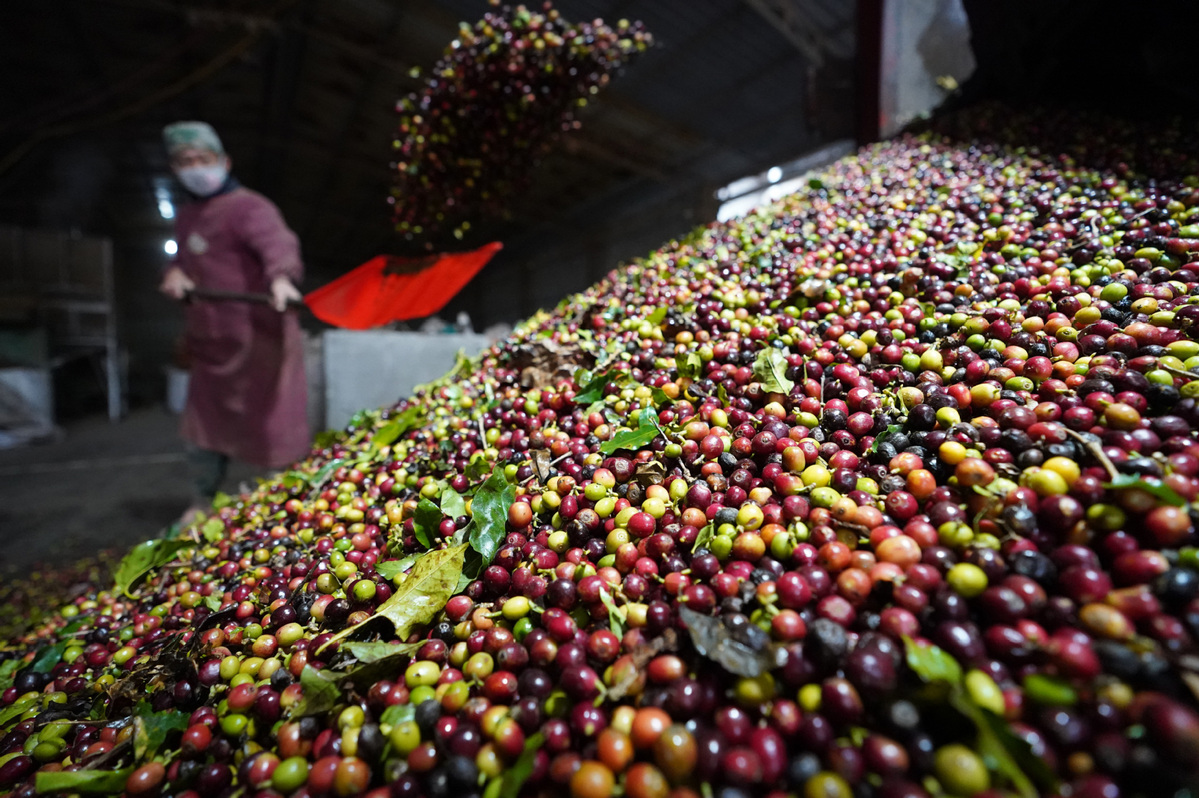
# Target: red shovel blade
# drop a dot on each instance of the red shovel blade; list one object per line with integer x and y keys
{"x": 388, "y": 288}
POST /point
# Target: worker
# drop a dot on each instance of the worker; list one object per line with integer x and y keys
{"x": 247, "y": 393}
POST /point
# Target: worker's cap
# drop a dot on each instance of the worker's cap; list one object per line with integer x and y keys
{"x": 191, "y": 135}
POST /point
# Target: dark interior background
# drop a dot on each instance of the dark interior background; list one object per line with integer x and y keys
{"x": 1123, "y": 58}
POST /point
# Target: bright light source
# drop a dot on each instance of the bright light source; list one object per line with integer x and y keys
{"x": 774, "y": 174}
{"x": 170, "y": 247}
{"x": 166, "y": 209}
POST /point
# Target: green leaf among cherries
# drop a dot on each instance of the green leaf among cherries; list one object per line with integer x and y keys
{"x": 1006, "y": 754}
{"x": 412, "y": 417}
{"x": 452, "y": 503}
{"x": 86, "y": 782}
{"x": 770, "y": 369}
{"x": 147, "y": 557}
{"x": 377, "y": 660}
{"x": 320, "y": 692}
{"x": 633, "y": 439}
{"x": 48, "y": 657}
{"x": 19, "y": 707}
{"x": 1050, "y": 690}
{"x": 992, "y": 747}
{"x": 425, "y": 522}
{"x": 592, "y": 390}
{"x": 1158, "y": 490}
{"x": 489, "y": 515}
{"x": 371, "y": 653}
{"x": 322, "y": 474}
{"x": 476, "y": 468}
{"x": 396, "y": 714}
{"x": 8, "y": 673}
{"x": 690, "y": 365}
{"x": 616, "y": 615}
{"x": 213, "y": 530}
{"x": 516, "y": 776}
{"x": 1022, "y": 756}
{"x": 392, "y": 568}
{"x": 931, "y": 663}
{"x": 151, "y": 729}
{"x": 892, "y": 428}
{"x": 419, "y": 598}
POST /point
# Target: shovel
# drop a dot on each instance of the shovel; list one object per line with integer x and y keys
{"x": 386, "y": 288}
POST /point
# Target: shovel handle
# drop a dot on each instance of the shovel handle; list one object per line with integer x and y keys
{"x": 236, "y": 296}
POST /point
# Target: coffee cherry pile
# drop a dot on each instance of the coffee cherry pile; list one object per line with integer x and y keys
{"x": 500, "y": 97}
{"x": 885, "y": 490}
{"x": 31, "y": 595}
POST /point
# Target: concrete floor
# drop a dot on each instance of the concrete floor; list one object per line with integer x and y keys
{"x": 102, "y": 485}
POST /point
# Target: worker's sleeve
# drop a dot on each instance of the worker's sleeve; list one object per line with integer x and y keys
{"x": 278, "y": 248}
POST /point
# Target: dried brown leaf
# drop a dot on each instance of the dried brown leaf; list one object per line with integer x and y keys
{"x": 544, "y": 363}
{"x": 651, "y": 473}
{"x": 541, "y": 464}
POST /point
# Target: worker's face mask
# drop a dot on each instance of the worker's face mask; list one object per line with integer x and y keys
{"x": 203, "y": 181}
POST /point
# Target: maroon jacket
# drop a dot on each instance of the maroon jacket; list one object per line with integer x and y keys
{"x": 247, "y": 394}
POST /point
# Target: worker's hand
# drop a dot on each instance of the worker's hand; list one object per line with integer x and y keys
{"x": 175, "y": 283}
{"x": 282, "y": 292}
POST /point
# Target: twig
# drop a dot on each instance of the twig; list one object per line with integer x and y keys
{"x": 1190, "y": 375}
{"x": 537, "y": 470}
{"x": 690, "y": 477}
{"x": 1097, "y": 452}
{"x": 642, "y": 654}
{"x": 102, "y": 761}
